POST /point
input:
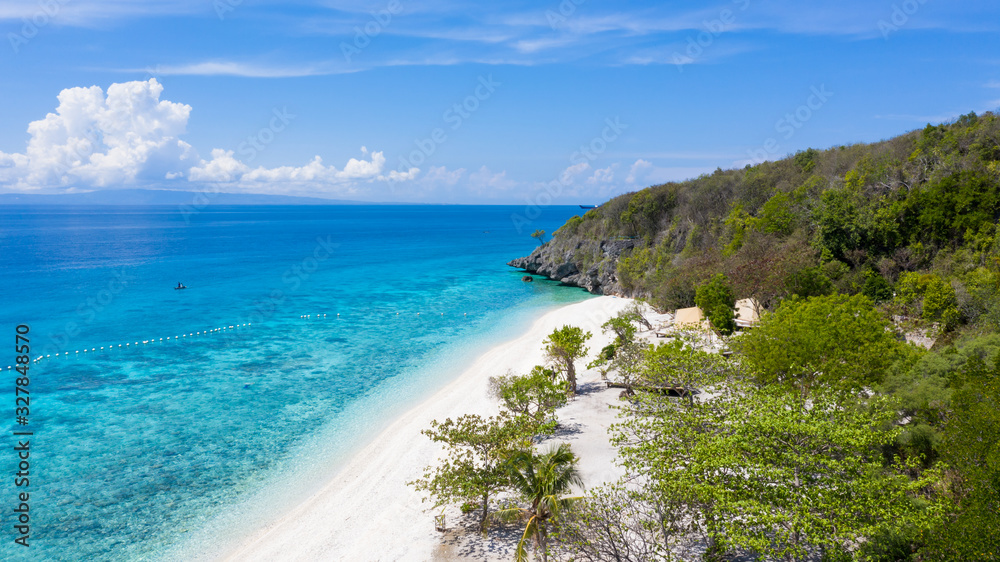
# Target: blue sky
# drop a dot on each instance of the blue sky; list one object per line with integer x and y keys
{"x": 464, "y": 102}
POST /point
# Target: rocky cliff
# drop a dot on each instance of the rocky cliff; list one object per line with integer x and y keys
{"x": 573, "y": 262}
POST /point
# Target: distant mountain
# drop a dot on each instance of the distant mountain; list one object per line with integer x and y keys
{"x": 164, "y": 197}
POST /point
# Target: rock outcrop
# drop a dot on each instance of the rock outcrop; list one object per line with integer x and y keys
{"x": 563, "y": 262}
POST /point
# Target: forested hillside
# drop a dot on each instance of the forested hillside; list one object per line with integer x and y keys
{"x": 824, "y": 434}
{"x": 914, "y": 217}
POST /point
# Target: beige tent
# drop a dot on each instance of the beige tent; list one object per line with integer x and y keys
{"x": 690, "y": 319}
{"x": 746, "y": 313}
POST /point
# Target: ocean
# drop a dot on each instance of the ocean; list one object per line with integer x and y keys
{"x": 167, "y": 422}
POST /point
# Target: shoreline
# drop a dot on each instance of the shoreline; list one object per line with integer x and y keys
{"x": 366, "y": 511}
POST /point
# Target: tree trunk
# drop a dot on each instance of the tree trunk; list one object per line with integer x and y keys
{"x": 541, "y": 544}
{"x": 571, "y": 375}
{"x": 486, "y": 506}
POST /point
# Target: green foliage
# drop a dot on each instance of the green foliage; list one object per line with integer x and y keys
{"x": 761, "y": 469}
{"x": 539, "y": 235}
{"x": 835, "y": 341}
{"x": 715, "y": 298}
{"x": 876, "y": 287}
{"x": 628, "y": 363}
{"x": 678, "y": 364}
{"x": 935, "y": 299}
{"x": 633, "y": 268}
{"x": 475, "y": 465}
{"x": 542, "y": 480}
{"x": 809, "y": 282}
{"x": 806, "y": 160}
{"x": 564, "y": 346}
{"x": 621, "y": 325}
{"x": 776, "y": 216}
{"x": 940, "y": 303}
{"x": 615, "y": 523}
{"x": 972, "y": 451}
{"x": 571, "y": 226}
{"x": 535, "y": 395}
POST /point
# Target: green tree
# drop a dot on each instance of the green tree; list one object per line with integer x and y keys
{"x": 539, "y": 235}
{"x": 564, "y": 346}
{"x": 940, "y": 302}
{"x": 876, "y": 287}
{"x": 625, "y": 525}
{"x": 715, "y": 298}
{"x": 677, "y": 364}
{"x": 603, "y": 360}
{"x": 628, "y": 363}
{"x": 474, "y": 469}
{"x": 761, "y": 469}
{"x": 542, "y": 480}
{"x": 809, "y": 282}
{"x": 536, "y": 394}
{"x": 972, "y": 453}
{"x": 837, "y": 341}
{"x": 621, "y": 325}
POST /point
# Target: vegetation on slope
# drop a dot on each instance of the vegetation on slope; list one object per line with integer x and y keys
{"x": 914, "y": 215}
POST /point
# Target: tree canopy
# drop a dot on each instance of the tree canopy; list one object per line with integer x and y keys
{"x": 836, "y": 341}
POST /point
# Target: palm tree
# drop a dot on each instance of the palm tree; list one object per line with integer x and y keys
{"x": 542, "y": 480}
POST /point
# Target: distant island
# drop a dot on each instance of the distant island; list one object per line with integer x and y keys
{"x": 164, "y": 197}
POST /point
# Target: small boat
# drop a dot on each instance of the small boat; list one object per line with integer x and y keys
{"x": 180, "y": 286}
{"x": 588, "y": 206}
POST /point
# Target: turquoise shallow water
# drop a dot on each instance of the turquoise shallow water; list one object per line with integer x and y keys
{"x": 165, "y": 449}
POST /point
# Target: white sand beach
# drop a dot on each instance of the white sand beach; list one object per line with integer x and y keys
{"x": 367, "y": 512}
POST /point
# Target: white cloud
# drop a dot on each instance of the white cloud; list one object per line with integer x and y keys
{"x": 246, "y": 70}
{"x": 488, "y": 182}
{"x": 441, "y": 175}
{"x": 129, "y": 136}
{"x": 638, "y": 170}
{"x": 568, "y": 176}
{"x": 603, "y": 175}
{"x": 222, "y": 168}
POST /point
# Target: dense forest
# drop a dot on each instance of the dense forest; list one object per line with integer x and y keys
{"x": 898, "y": 221}
{"x": 825, "y": 435}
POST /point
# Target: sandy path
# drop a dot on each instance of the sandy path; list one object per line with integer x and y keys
{"x": 367, "y": 512}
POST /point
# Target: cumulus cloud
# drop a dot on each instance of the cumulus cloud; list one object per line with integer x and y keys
{"x": 638, "y": 170}
{"x": 99, "y": 139}
{"x": 492, "y": 183}
{"x": 603, "y": 175}
{"x": 442, "y": 175}
{"x": 129, "y": 136}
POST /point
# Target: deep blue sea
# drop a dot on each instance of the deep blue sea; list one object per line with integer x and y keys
{"x": 161, "y": 449}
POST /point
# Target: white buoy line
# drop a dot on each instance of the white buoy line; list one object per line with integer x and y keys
{"x": 168, "y": 338}
{"x": 137, "y": 343}
{"x": 338, "y": 315}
